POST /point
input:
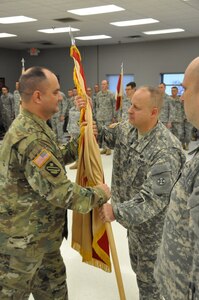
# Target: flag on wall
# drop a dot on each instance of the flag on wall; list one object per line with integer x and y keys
{"x": 119, "y": 90}
{"x": 89, "y": 236}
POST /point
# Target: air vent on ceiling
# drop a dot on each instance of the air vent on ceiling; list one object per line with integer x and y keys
{"x": 67, "y": 20}
{"x": 134, "y": 36}
{"x": 47, "y": 43}
{"x": 38, "y": 43}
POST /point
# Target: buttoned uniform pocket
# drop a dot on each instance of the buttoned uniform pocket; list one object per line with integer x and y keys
{"x": 161, "y": 179}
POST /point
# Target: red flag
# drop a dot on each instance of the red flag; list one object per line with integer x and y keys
{"x": 89, "y": 235}
{"x": 119, "y": 90}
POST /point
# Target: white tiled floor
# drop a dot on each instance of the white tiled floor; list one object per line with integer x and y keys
{"x": 86, "y": 282}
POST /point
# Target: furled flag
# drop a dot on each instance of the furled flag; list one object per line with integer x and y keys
{"x": 119, "y": 90}
{"x": 89, "y": 236}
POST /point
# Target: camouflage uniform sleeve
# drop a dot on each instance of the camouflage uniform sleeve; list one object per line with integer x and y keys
{"x": 153, "y": 196}
{"x": 70, "y": 151}
{"x": 109, "y": 136}
{"x": 193, "y": 205}
{"x": 47, "y": 177}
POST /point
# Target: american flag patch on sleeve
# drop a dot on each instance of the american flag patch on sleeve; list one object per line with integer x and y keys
{"x": 42, "y": 158}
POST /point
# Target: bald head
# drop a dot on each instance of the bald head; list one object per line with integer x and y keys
{"x": 192, "y": 72}
{"x": 190, "y": 95}
{"x": 31, "y": 80}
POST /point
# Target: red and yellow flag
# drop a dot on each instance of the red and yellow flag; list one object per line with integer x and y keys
{"x": 89, "y": 235}
{"x": 119, "y": 90}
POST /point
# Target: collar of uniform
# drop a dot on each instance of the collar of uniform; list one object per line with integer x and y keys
{"x": 143, "y": 142}
{"x": 42, "y": 123}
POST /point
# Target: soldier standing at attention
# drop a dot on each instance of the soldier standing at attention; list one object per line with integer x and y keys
{"x": 177, "y": 118}
{"x": 35, "y": 193}
{"x": 166, "y": 112}
{"x": 17, "y": 99}
{"x": 57, "y": 120}
{"x": 177, "y": 267}
{"x": 96, "y": 91}
{"x": 147, "y": 161}
{"x": 180, "y": 127}
{"x": 126, "y": 102}
{"x": 69, "y": 102}
{"x": 74, "y": 126}
{"x": 105, "y": 112}
{"x": 7, "y": 106}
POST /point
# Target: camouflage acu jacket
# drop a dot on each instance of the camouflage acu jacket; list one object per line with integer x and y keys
{"x": 177, "y": 268}
{"x": 34, "y": 189}
{"x": 144, "y": 172}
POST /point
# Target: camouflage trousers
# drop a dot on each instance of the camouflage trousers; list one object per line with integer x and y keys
{"x": 142, "y": 263}
{"x": 44, "y": 277}
{"x": 101, "y": 142}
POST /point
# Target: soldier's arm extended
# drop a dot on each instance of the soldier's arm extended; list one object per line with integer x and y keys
{"x": 70, "y": 150}
{"x": 47, "y": 177}
{"x": 153, "y": 195}
{"x": 109, "y": 134}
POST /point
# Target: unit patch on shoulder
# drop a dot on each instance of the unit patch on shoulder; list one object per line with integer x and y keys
{"x": 42, "y": 158}
{"x": 161, "y": 181}
{"x": 53, "y": 169}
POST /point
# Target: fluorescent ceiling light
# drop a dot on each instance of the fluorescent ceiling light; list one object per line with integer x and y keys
{"x": 5, "y": 35}
{"x": 95, "y": 10}
{"x": 135, "y": 22}
{"x": 16, "y": 19}
{"x": 58, "y": 30}
{"x": 164, "y": 31}
{"x": 93, "y": 37}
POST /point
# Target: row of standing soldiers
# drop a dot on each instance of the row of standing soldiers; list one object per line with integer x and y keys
{"x": 104, "y": 113}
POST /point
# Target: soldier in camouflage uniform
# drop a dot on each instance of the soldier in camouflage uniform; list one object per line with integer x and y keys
{"x": 180, "y": 127}
{"x": 105, "y": 112}
{"x": 35, "y": 193}
{"x": 178, "y": 116}
{"x": 7, "y": 103}
{"x": 177, "y": 267}
{"x": 57, "y": 120}
{"x": 126, "y": 101}
{"x": 146, "y": 163}
{"x": 166, "y": 111}
{"x": 17, "y": 99}
{"x": 68, "y": 105}
{"x": 73, "y": 127}
{"x": 96, "y": 91}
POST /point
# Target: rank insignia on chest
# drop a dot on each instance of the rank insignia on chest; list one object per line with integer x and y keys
{"x": 42, "y": 158}
{"x": 161, "y": 181}
{"x": 53, "y": 169}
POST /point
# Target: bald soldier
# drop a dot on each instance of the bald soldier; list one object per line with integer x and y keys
{"x": 177, "y": 268}
{"x": 147, "y": 161}
{"x": 35, "y": 193}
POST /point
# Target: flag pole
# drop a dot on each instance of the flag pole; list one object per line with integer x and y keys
{"x": 115, "y": 260}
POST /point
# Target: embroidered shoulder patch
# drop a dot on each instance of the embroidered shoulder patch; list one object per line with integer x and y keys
{"x": 42, "y": 158}
{"x": 53, "y": 169}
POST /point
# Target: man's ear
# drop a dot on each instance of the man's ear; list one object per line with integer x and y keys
{"x": 154, "y": 111}
{"x": 36, "y": 97}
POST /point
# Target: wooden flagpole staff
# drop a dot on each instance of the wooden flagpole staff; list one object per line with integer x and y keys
{"x": 115, "y": 261}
